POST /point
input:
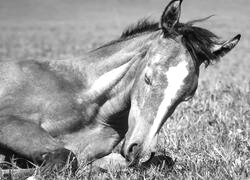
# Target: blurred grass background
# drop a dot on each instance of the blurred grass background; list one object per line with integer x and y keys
{"x": 208, "y": 137}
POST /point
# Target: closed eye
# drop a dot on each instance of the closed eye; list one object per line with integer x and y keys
{"x": 147, "y": 80}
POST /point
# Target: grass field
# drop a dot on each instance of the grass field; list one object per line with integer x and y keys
{"x": 207, "y": 137}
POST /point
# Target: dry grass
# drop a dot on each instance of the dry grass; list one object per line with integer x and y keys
{"x": 208, "y": 137}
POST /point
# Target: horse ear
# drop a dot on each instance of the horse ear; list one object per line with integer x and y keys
{"x": 224, "y": 48}
{"x": 171, "y": 15}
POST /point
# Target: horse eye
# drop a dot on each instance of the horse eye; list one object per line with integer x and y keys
{"x": 147, "y": 80}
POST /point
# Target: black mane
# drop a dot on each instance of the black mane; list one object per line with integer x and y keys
{"x": 142, "y": 26}
{"x": 133, "y": 30}
{"x": 197, "y": 40}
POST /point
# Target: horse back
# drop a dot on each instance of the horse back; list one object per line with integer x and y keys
{"x": 30, "y": 90}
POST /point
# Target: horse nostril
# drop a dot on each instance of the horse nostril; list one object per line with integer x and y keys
{"x": 131, "y": 152}
{"x": 132, "y": 148}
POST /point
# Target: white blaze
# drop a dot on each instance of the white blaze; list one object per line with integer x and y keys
{"x": 175, "y": 76}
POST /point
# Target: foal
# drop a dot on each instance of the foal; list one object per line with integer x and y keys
{"x": 52, "y": 111}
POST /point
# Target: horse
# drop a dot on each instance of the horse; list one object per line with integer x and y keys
{"x": 79, "y": 109}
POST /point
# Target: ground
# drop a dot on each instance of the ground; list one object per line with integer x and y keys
{"x": 207, "y": 137}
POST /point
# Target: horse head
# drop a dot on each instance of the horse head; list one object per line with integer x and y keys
{"x": 168, "y": 76}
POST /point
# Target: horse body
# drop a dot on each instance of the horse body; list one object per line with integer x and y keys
{"x": 52, "y": 109}
{"x": 38, "y": 95}
{"x": 81, "y": 102}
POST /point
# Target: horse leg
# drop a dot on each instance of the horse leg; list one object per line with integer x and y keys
{"x": 32, "y": 142}
{"x": 92, "y": 144}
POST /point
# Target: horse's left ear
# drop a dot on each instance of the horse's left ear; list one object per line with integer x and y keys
{"x": 171, "y": 15}
{"x": 224, "y": 48}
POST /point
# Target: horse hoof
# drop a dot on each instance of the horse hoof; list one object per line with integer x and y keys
{"x": 34, "y": 178}
{"x": 111, "y": 161}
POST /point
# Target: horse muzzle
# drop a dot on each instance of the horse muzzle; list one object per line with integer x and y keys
{"x": 135, "y": 154}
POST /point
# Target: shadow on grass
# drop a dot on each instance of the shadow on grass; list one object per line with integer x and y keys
{"x": 160, "y": 160}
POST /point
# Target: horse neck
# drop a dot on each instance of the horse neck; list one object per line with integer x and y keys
{"x": 112, "y": 56}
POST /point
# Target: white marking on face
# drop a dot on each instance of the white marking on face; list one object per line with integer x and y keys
{"x": 175, "y": 76}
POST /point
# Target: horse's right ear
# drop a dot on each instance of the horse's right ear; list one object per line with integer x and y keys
{"x": 171, "y": 15}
